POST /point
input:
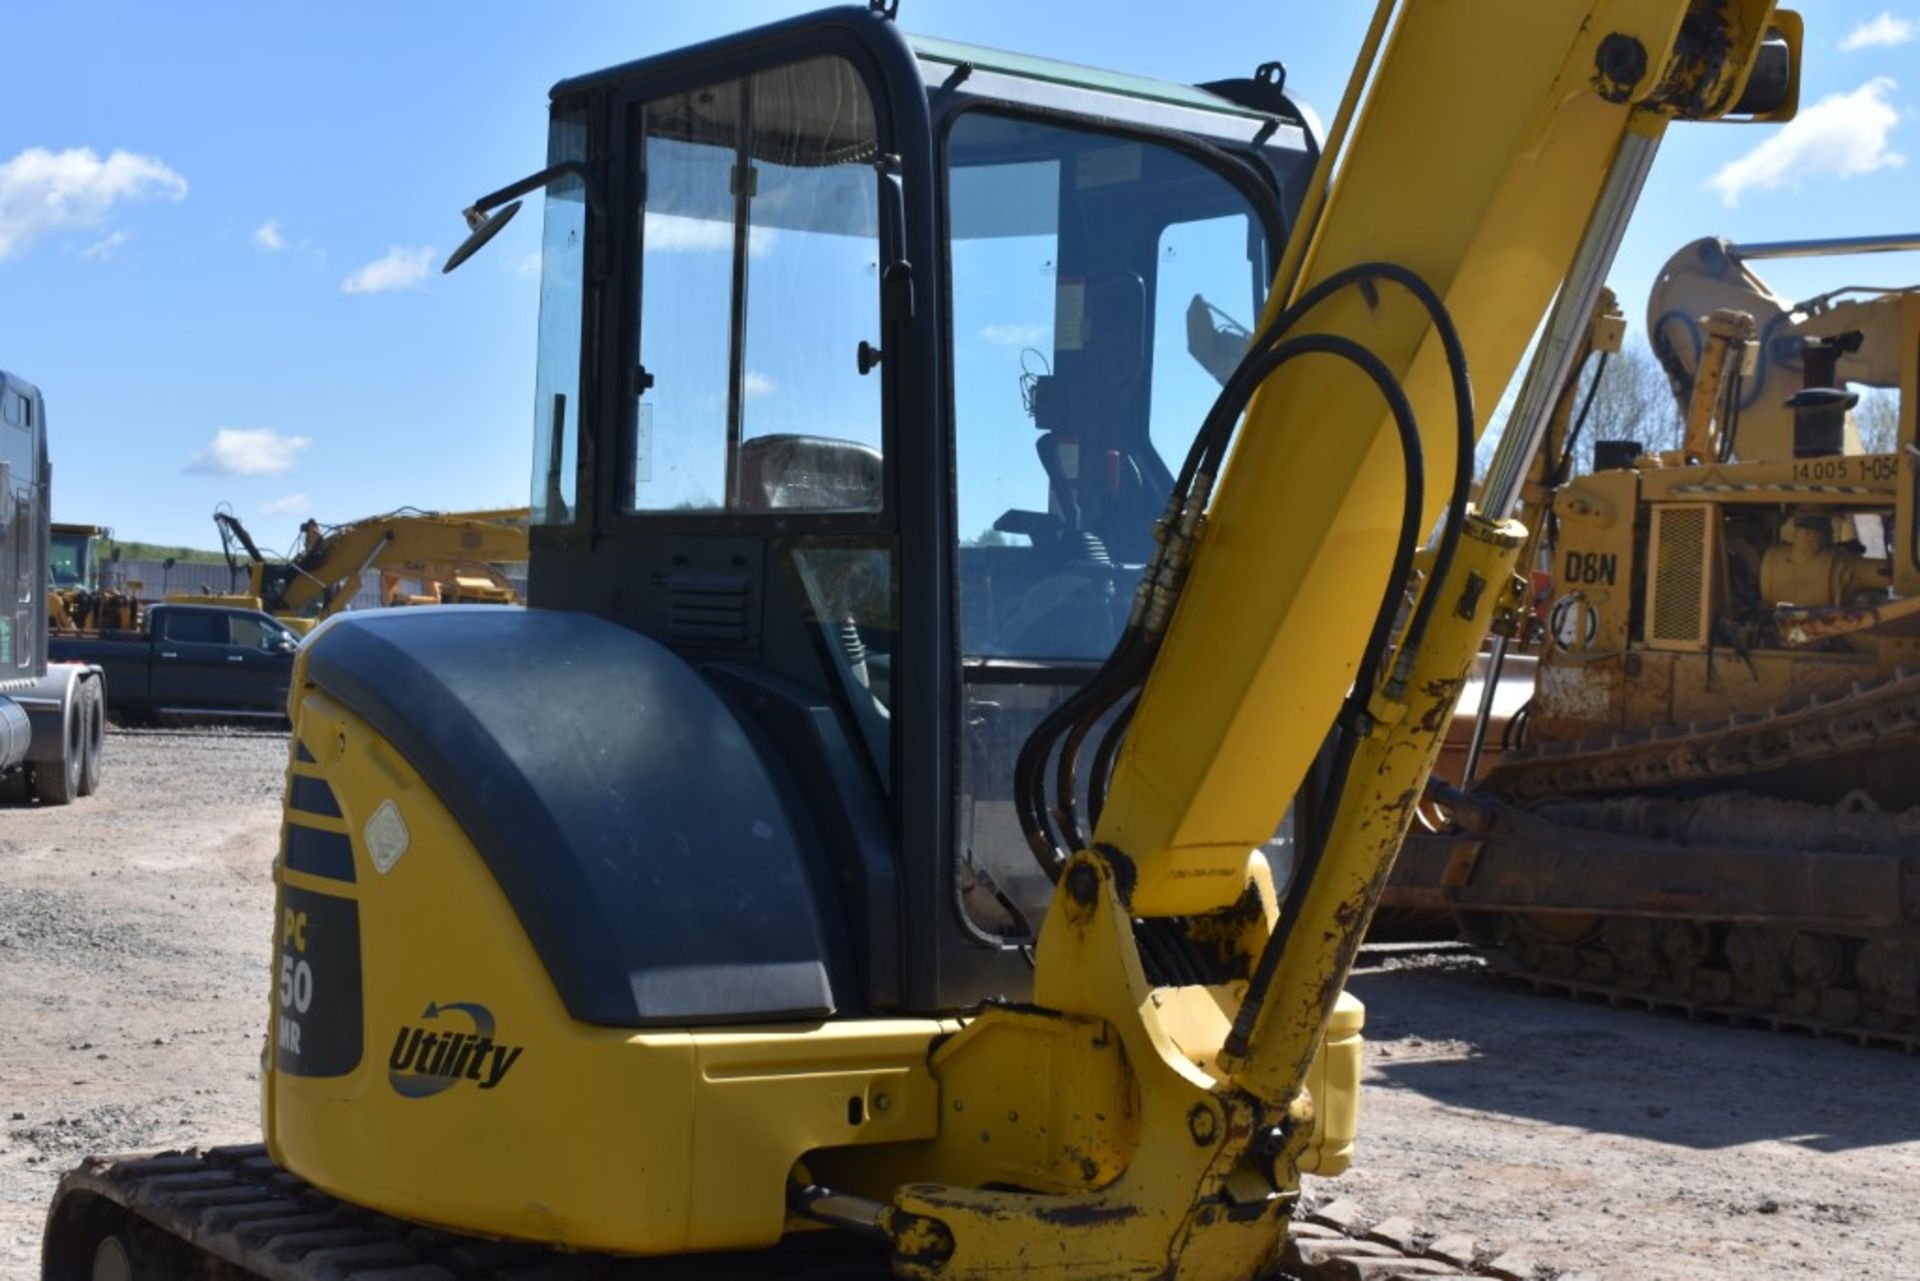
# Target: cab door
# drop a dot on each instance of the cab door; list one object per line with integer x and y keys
{"x": 191, "y": 655}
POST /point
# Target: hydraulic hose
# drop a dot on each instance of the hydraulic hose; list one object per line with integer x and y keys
{"x": 1127, "y": 667}
{"x": 1354, "y": 710}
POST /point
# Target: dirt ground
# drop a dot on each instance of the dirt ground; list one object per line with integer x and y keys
{"x": 134, "y": 944}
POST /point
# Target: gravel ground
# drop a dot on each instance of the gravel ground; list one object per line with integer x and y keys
{"x": 135, "y": 935}
{"x": 135, "y": 939}
{"x": 1628, "y": 1144}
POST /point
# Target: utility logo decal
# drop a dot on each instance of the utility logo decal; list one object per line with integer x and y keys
{"x": 453, "y": 1044}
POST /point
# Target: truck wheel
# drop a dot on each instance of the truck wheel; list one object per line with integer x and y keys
{"x": 58, "y": 782}
{"x": 93, "y": 722}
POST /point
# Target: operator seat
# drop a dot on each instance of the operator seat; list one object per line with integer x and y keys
{"x": 789, "y": 471}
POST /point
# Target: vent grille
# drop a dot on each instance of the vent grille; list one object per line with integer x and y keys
{"x": 710, "y": 610}
{"x": 1678, "y": 578}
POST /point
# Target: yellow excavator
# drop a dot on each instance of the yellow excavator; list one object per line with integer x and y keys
{"x": 450, "y": 556}
{"x": 884, "y": 863}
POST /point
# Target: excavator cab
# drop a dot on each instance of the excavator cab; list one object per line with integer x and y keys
{"x": 861, "y": 377}
{"x": 863, "y": 367}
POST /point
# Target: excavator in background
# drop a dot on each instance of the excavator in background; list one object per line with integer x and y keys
{"x": 422, "y": 557}
{"x": 841, "y": 890}
{"x": 1711, "y": 802}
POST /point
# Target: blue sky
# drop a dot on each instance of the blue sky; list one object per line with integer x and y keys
{"x": 228, "y": 302}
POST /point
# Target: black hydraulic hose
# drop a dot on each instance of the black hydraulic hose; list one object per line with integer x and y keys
{"x": 1216, "y": 430}
{"x": 1730, "y": 416}
{"x": 1241, "y": 1036}
{"x": 1255, "y": 371}
{"x": 1103, "y": 758}
{"x": 1414, "y": 471}
{"x": 1029, "y": 769}
{"x": 1208, "y": 450}
{"x": 1563, "y": 469}
{"x": 1067, "y": 763}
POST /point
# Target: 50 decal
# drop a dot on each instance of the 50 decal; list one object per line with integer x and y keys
{"x": 316, "y": 984}
{"x": 296, "y": 978}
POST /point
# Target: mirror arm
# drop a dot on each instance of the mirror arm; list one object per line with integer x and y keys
{"x": 533, "y": 182}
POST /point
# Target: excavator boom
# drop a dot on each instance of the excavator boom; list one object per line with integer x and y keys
{"x": 326, "y": 573}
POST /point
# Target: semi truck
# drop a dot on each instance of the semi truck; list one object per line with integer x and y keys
{"x": 52, "y": 714}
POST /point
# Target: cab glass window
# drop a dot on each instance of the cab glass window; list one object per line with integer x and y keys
{"x": 556, "y": 406}
{"x": 759, "y": 247}
{"x": 1102, "y": 287}
{"x": 196, "y": 627}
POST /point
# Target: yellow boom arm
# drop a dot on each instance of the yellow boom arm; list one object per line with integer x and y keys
{"x": 1496, "y": 159}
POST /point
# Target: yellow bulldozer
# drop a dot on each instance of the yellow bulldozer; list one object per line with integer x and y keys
{"x": 833, "y": 888}
{"x": 1708, "y": 803}
{"x": 80, "y": 594}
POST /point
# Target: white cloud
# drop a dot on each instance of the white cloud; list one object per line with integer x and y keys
{"x": 1013, "y": 335}
{"x": 42, "y": 192}
{"x": 1883, "y": 32}
{"x": 675, "y": 233}
{"x": 248, "y": 451}
{"x": 105, "y": 247}
{"x": 758, "y": 384}
{"x": 291, "y": 505}
{"x": 529, "y": 265}
{"x": 1843, "y": 135}
{"x": 267, "y": 236}
{"x": 400, "y": 268}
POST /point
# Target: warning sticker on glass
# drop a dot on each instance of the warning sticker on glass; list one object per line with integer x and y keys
{"x": 1070, "y": 315}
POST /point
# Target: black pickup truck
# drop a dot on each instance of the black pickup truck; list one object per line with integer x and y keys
{"x": 206, "y": 660}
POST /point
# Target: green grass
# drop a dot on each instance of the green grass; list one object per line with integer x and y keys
{"x": 155, "y": 551}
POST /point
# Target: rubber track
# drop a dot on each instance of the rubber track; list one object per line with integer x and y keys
{"x": 1505, "y": 965}
{"x": 235, "y": 1205}
{"x": 1874, "y": 714}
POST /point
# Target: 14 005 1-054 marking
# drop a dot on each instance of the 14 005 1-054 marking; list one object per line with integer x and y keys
{"x": 1864, "y": 467}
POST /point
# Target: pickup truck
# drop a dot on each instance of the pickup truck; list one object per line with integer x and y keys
{"x": 191, "y": 660}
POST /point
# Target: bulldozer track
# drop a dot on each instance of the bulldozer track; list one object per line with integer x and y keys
{"x": 1869, "y": 716}
{"x": 232, "y": 1213}
{"x": 1507, "y": 967}
{"x": 1875, "y": 714}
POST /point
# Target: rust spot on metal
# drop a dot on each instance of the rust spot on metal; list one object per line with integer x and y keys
{"x": 1254, "y": 1211}
{"x": 1125, "y": 874}
{"x": 1085, "y": 1216}
{"x": 1619, "y": 63}
{"x": 1202, "y": 1124}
